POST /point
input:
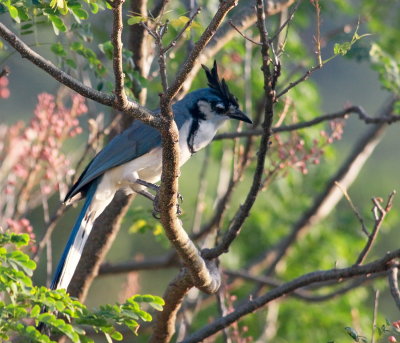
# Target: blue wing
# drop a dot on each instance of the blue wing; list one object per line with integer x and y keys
{"x": 132, "y": 143}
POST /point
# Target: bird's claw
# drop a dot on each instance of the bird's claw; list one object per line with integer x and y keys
{"x": 156, "y": 206}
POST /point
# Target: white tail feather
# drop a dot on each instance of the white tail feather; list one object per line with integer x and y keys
{"x": 75, "y": 252}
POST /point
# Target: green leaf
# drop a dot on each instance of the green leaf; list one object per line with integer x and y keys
{"x": 19, "y": 239}
{"x": 35, "y": 311}
{"x": 107, "y": 49}
{"x": 136, "y": 20}
{"x": 179, "y": 22}
{"x": 13, "y": 13}
{"x": 157, "y": 307}
{"x": 22, "y": 13}
{"x": 341, "y": 49}
{"x": 80, "y": 13}
{"x": 76, "y": 46}
{"x": 58, "y": 24}
{"x": 94, "y": 7}
{"x": 71, "y": 63}
{"x": 58, "y": 49}
{"x": 158, "y": 300}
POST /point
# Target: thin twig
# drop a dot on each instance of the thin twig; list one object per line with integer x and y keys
{"x": 242, "y": 34}
{"x": 179, "y": 35}
{"x": 293, "y": 84}
{"x": 354, "y": 208}
{"x": 380, "y": 216}
{"x": 317, "y": 38}
{"x": 96, "y": 137}
{"x": 375, "y": 314}
{"x": 389, "y": 119}
{"x": 394, "y": 286}
{"x": 287, "y": 22}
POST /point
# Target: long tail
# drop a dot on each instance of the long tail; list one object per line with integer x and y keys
{"x": 73, "y": 250}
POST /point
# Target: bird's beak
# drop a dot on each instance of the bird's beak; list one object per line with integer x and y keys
{"x": 239, "y": 115}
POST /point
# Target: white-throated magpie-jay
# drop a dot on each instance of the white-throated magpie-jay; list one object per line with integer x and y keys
{"x": 135, "y": 155}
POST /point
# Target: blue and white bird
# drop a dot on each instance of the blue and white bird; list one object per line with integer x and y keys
{"x": 133, "y": 158}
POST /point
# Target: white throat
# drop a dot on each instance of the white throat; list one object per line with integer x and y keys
{"x": 206, "y": 132}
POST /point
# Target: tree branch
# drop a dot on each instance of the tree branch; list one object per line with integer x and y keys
{"x": 173, "y": 298}
{"x": 252, "y": 305}
{"x": 358, "y": 110}
{"x": 131, "y": 108}
{"x": 380, "y": 217}
{"x": 270, "y": 77}
{"x": 393, "y": 283}
{"x": 116, "y": 39}
{"x": 304, "y": 294}
{"x": 204, "y": 276}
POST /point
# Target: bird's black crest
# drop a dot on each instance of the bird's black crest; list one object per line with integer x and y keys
{"x": 220, "y": 86}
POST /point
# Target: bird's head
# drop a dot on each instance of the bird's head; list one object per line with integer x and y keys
{"x": 217, "y": 102}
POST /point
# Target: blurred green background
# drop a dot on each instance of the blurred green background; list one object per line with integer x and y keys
{"x": 336, "y": 240}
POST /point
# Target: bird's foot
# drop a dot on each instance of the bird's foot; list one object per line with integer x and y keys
{"x": 156, "y": 206}
{"x": 155, "y": 198}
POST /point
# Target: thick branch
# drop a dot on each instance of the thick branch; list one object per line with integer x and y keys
{"x": 116, "y": 39}
{"x": 202, "y": 277}
{"x": 173, "y": 298}
{"x": 252, "y": 305}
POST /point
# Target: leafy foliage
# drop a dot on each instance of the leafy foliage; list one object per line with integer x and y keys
{"x": 24, "y": 305}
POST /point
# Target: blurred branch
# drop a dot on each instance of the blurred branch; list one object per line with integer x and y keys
{"x": 242, "y": 34}
{"x": 330, "y": 196}
{"x": 173, "y": 297}
{"x": 253, "y": 304}
{"x": 358, "y": 110}
{"x": 393, "y": 283}
{"x": 166, "y": 261}
{"x": 375, "y": 314}
{"x": 303, "y": 294}
{"x": 354, "y": 208}
{"x": 380, "y": 214}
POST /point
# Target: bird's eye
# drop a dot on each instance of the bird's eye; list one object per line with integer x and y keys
{"x": 220, "y": 108}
